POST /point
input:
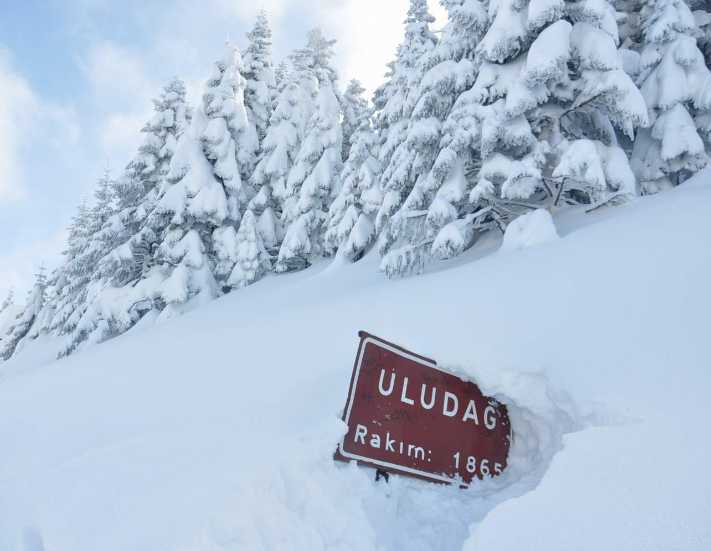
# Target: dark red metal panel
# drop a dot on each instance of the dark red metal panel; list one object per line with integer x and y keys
{"x": 406, "y": 415}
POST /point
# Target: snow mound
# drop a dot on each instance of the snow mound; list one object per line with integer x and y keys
{"x": 307, "y": 501}
{"x": 531, "y": 229}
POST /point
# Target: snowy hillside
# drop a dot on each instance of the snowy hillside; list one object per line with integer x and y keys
{"x": 507, "y": 108}
{"x": 215, "y": 431}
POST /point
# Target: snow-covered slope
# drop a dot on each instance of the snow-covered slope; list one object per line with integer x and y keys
{"x": 215, "y": 431}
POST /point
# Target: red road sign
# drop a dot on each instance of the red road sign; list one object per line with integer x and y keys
{"x": 408, "y": 416}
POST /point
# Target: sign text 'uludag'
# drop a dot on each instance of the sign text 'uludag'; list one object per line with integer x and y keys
{"x": 406, "y": 415}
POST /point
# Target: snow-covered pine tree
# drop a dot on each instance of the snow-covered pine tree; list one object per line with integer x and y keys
{"x": 398, "y": 97}
{"x": 7, "y": 315}
{"x": 355, "y": 108}
{"x": 310, "y": 185}
{"x": 84, "y": 279}
{"x": 206, "y": 191}
{"x": 292, "y": 108}
{"x": 281, "y": 75}
{"x": 137, "y": 191}
{"x": 351, "y": 217}
{"x": 437, "y": 188}
{"x": 628, "y": 22}
{"x": 253, "y": 260}
{"x": 676, "y": 84}
{"x": 89, "y": 241}
{"x": 228, "y": 130}
{"x": 8, "y": 301}
{"x": 259, "y": 77}
{"x": 25, "y": 319}
{"x": 541, "y": 125}
{"x": 266, "y": 209}
{"x": 75, "y": 285}
{"x": 123, "y": 280}
{"x": 702, "y": 15}
{"x": 41, "y": 325}
{"x": 630, "y": 32}
{"x": 73, "y": 272}
{"x": 381, "y": 96}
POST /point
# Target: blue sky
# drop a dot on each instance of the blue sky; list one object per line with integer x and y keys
{"x": 77, "y": 76}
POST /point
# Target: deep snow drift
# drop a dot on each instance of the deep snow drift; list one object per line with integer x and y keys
{"x": 215, "y": 431}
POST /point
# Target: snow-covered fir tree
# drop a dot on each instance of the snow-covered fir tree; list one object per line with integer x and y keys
{"x": 351, "y": 217}
{"x": 281, "y": 73}
{"x": 628, "y": 22}
{"x": 8, "y": 301}
{"x": 266, "y": 210}
{"x": 676, "y": 84}
{"x": 85, "y": 280}
{"x": 292, "y": 109}
{"x": 702, "y": 16}
{"x": 73, "y": 273}
{"x": 355, "y": 108}
{"x": 228, "y": 134}
{"x": 630, "y": 32}
{"x": 310, "y": 184}
{"x": 436, "y": 189}
{"x": 44, "y": 318}
{"x": 207, "y": 189}
{"x": 253, "y": 260}
{"x": 7, "y": 315}
{"x": 258, "y": 72}
{"x": 26, "y": 319}
{"x": 78, "y": 280}
{"x": 124, "y": 282}
{"x": 137, "y": 191}
{"x": 398, "y": 97}
{"x": 542, "y": 124}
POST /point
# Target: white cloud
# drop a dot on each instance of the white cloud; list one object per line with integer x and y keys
{"x": 32, "y": 130}
{"x": 121, "y": 131}
{"x": 368, "y": 33}
{"x": 187, "y": 35}
{"x": 17, "y": 107}
{"x": 247, "y": 10}
{"x": 116, "y": 74}
{"x": 122, "y": 89}
{"x": 59, "y": 125}
{"x": 17, "y": 269}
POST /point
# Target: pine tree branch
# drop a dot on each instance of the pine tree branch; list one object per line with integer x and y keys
{"x": 518, "y": 204}
{"x": 580, "y": 105}
{"x": 559, "y": 194}
{"x": 130, "y": 308}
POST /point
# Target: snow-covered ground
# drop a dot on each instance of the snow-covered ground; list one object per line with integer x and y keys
{"x": 215, "y": 431}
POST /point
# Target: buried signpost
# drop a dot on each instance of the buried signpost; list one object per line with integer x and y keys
{"x": 406, "y": 415}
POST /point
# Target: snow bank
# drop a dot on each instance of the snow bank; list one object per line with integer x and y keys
{"x": 602, "y": 493}
{"x": 531, "y": 229}
{"x": 215, "y": 431}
